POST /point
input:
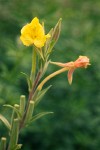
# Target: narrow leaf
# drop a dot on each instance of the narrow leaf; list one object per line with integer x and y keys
{"x": 28, "y": 80}
{"x": 39, "y": 116}
{"x": 5, "y": 121}
{"x": 29, "y": 112}
{"x": 18, "y": 146}
{"x": 16, "y": 110}
{"x": 41, "y": 94}
{"x": 45, "y": 67}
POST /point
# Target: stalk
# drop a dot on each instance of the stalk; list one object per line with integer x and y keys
{"x": 51, "y": 76}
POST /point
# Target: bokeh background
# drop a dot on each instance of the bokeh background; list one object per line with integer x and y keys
{"x": 75, "y": 124}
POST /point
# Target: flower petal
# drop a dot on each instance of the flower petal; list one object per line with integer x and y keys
{"x": 27, "y": 41}
{"x": 33, "y": 33}
{"x": 70, "y": 75}
{"x": 82, "y": 61}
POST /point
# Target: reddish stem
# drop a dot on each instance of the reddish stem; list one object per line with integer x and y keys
{"x": 30, "y": 97}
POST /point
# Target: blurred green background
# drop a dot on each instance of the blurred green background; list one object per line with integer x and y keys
{"x": 75, "y": 124}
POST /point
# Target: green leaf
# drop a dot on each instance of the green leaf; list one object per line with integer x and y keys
{"x": 45, "y": 67}
{"x": 16, "y": 110}
{"x": 28, "y": 80}
{"x": 39, "y": 116}
{"x": 41, "y": 94}
{"x": 5, "y": 121}
{"x": 29, "y": 112}
{"x": 18, "y": 146}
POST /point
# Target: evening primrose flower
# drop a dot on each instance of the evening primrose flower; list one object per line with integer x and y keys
{"x": 81, "y": 62}
{"x": 33, "y": 34}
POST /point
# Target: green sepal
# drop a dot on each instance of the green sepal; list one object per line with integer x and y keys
{"x": 39, "y": 116}
{"x": 15, "y": 109}
{"x": 5, "y": 121}
{"x": 41, "y": 94}
{"x": 28, "y": 80}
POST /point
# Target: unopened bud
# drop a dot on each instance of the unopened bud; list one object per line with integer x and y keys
{"x": 56, "y": 31}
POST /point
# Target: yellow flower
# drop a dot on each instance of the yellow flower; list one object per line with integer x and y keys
{"x": 33, "y": 34}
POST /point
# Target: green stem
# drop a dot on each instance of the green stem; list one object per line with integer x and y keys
{"x": 51, "y": 76}
{"x": 33, "y": 70}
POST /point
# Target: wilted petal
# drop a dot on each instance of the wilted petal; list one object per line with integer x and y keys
{"x": 82, "y": 61}
{"x": 70, "y": 75}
